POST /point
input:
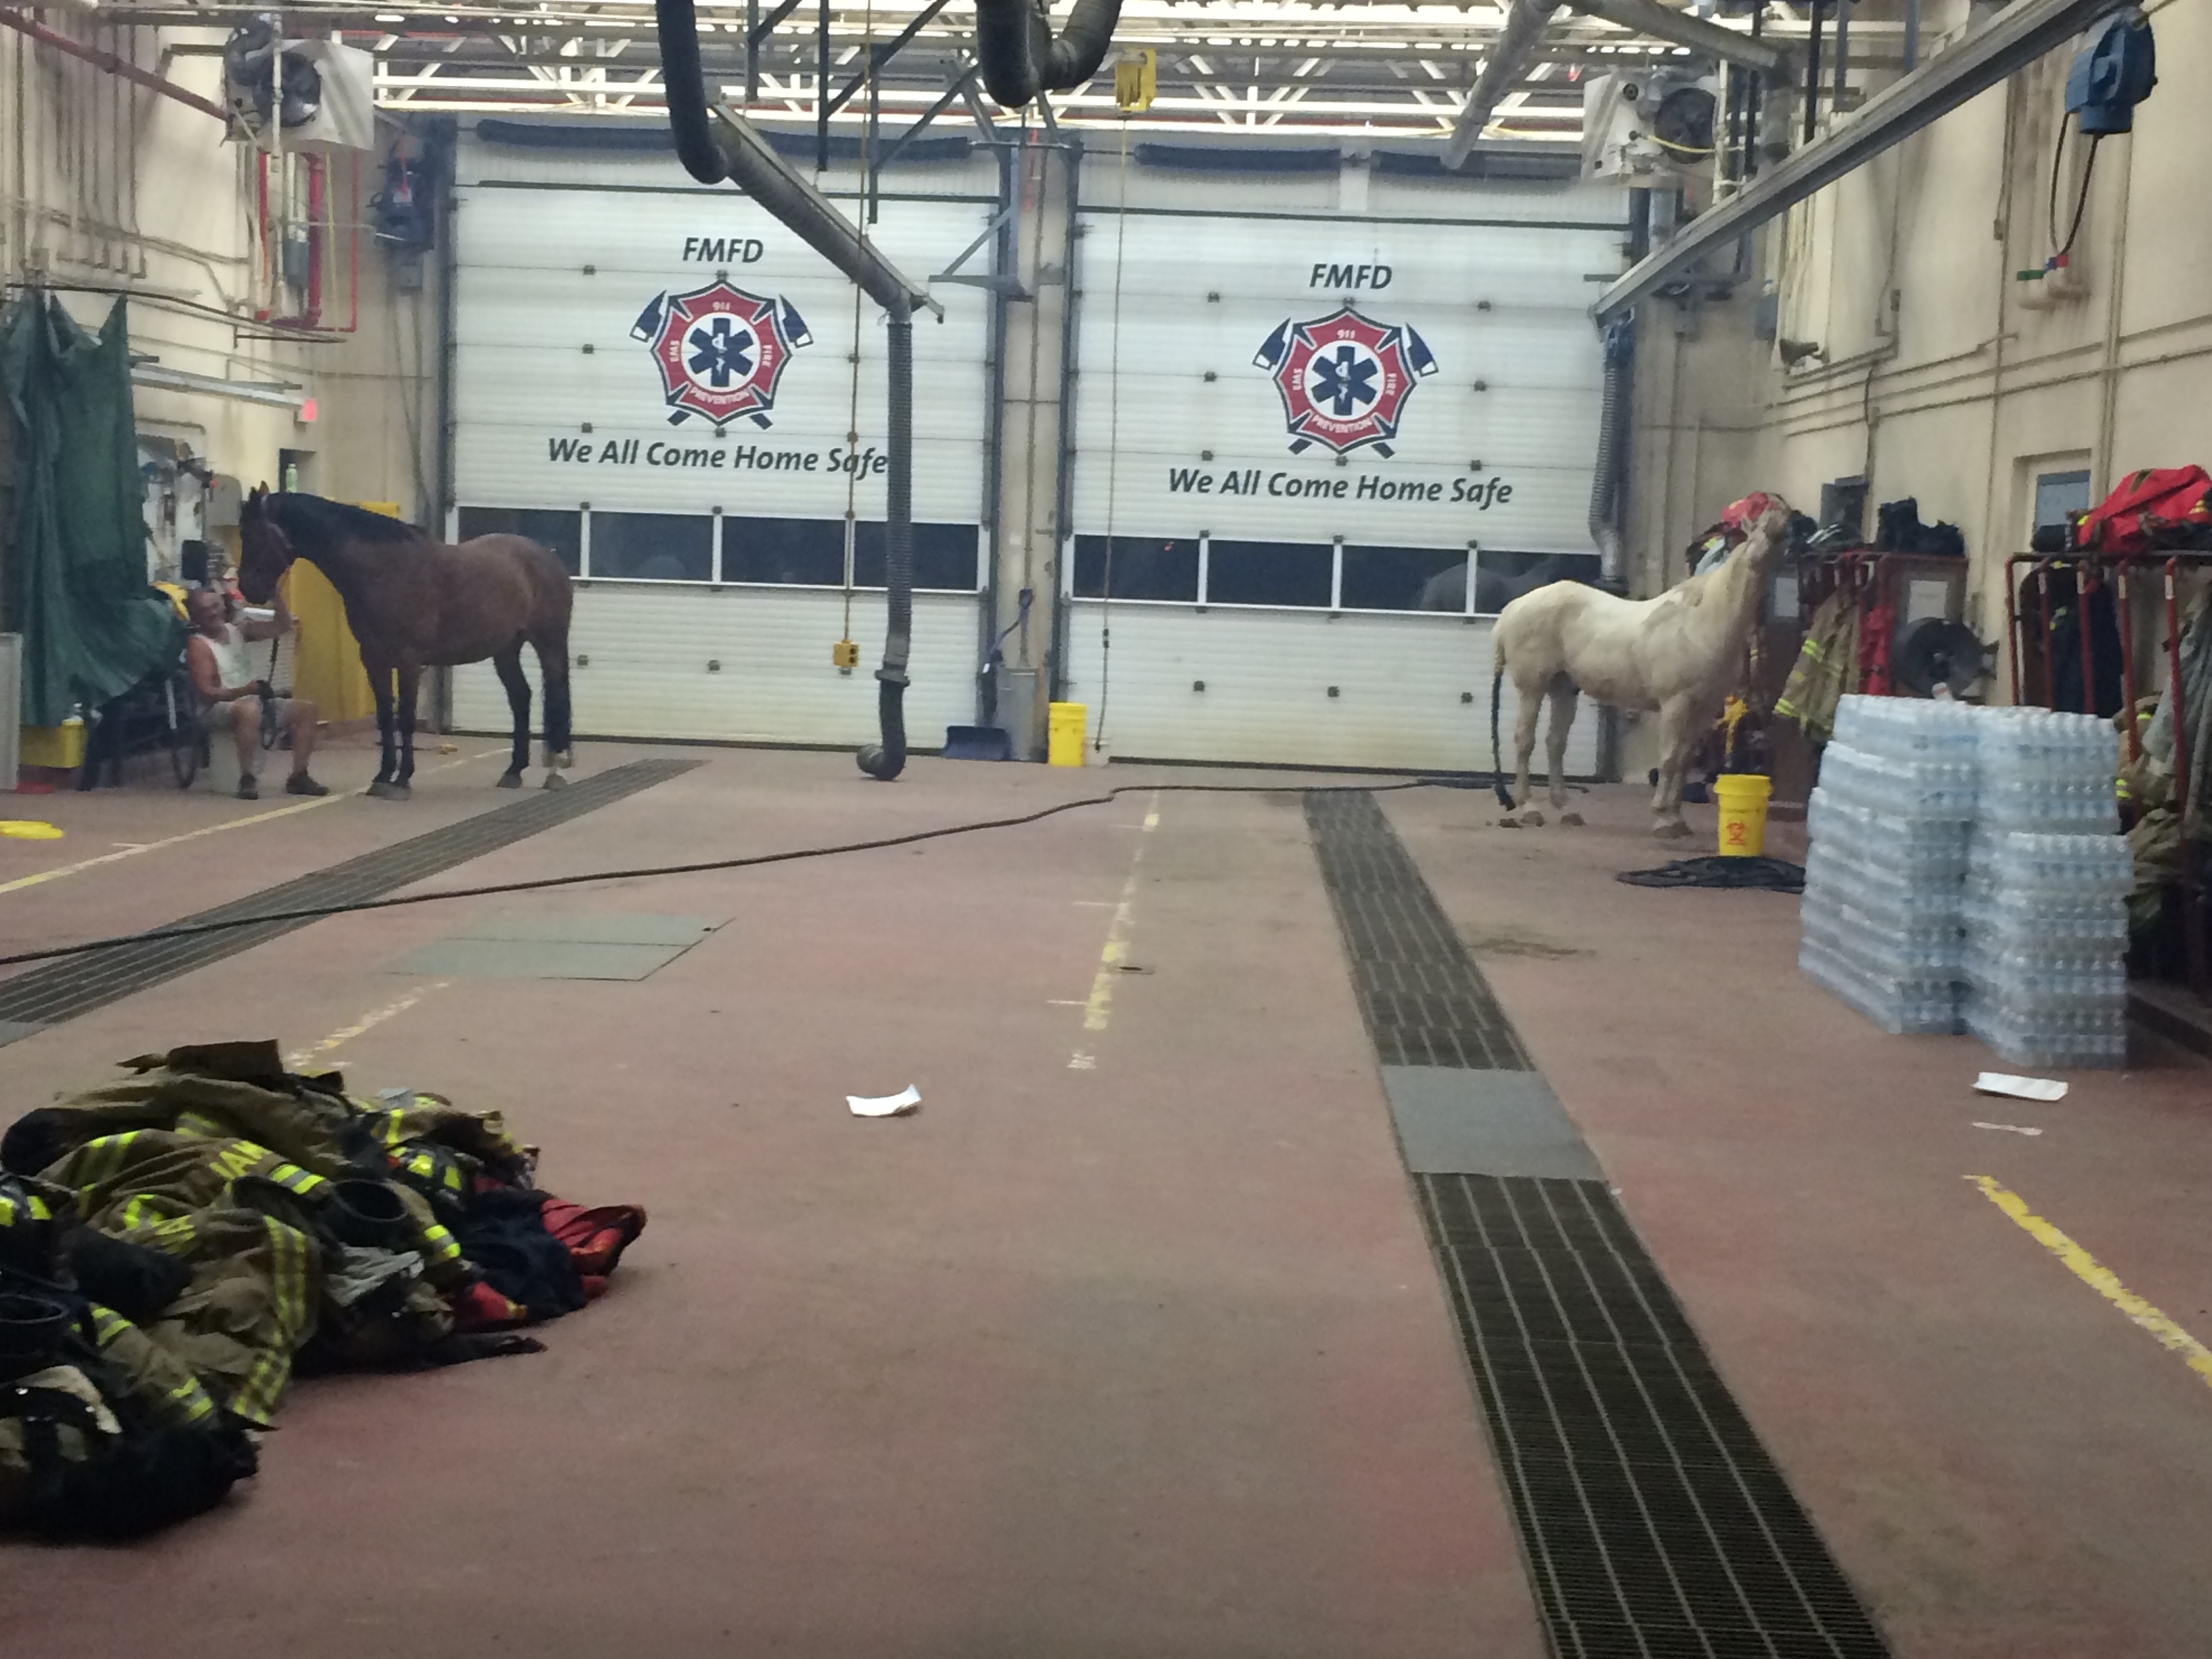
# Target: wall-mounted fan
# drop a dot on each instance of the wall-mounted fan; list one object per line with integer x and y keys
{"x": 249, "y": 77}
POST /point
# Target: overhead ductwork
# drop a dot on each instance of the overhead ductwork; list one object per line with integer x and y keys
{"x": 1525, "y": 23}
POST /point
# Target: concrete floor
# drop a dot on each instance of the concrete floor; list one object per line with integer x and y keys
{"x": 1129, "y": 1343}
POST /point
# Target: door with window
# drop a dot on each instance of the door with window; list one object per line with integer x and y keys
{"x": 680, "y": 399}
{"x": 1315, "y": 456}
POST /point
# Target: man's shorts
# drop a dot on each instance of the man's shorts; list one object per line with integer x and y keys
{"x": 222, "y": 716}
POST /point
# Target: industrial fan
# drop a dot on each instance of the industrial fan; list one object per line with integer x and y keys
{"x": 249, "y": 78}
{"x": 1934, "y": 652}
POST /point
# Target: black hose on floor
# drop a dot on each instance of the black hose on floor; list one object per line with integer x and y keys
{"x": 316, "y": 913}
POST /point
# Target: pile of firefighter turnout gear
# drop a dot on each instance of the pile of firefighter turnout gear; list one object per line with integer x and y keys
{"x": 174, "y": 1246}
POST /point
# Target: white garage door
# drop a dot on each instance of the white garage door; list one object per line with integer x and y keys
{"x": 659, "y": 383}
{"x": 1293, "y": 432}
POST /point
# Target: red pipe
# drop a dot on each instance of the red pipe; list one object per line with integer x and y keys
{"x": 114, "y": 65}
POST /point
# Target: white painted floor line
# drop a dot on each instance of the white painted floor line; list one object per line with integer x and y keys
{"x": 338, "y": 1039}
{"x": 130, "y": 851}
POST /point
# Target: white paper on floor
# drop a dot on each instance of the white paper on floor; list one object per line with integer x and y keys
{"x": 2009, "y": 1129}
{"x": 908, "y": 1100}
{"x": 2019, "y": 1088}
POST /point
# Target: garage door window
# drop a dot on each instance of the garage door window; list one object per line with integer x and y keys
{"x": 1288, "y": 574}
{"x": 561, "y": 530}
{"x": 657, "y": 547}
{"x": 785, "y": 552}
{"x": 1501, "y": 577}
{"x": 1404, "y": 579}
{"x": 1162, "y": 568}
{"x": 943, "y": 556}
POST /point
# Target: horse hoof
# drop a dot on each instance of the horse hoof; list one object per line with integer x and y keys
{"x": 510, "y": 781}
{"x": 1534, "y": 820}
{"x": 1572, "y": 820}
{"x": 382, "y": 790}
{"x": 554, "y": 781}
{"x": 1509, "y": 821}
{"x": 1673, "y": 831}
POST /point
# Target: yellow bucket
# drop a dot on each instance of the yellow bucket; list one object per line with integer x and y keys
{"x": 1742, "y": 796}
{"x": 1064, "y": 733}
{"x": 61, "y": 747}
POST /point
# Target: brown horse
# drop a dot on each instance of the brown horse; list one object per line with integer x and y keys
{"x": 414, "y": 604}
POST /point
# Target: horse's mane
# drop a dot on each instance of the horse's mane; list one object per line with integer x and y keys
{"x": 310, "y": 521}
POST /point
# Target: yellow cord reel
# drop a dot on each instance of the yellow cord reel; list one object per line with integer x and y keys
{"x": 1137, "y": 79}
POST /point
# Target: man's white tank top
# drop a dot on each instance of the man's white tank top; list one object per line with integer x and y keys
{"x": 234, "y": 656}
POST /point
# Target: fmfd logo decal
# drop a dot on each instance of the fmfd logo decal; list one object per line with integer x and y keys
{"x": 1343, "y": 378}
{"x": 720, "y": 351}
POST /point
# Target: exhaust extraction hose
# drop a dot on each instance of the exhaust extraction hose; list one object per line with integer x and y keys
{"x": 1019, "y": 56}
{"x": 684, "y": 85}
{"x": 739, "y": 155}
{"x": 885, "y": 760}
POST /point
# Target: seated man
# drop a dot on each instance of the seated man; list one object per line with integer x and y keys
{"x": 222, "y": 673}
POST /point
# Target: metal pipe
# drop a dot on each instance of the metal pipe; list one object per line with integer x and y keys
{"x": 1063, "y": 516}
{"x": 1525, "y": 23}
{"x": 1663, "y": 22}
{"x": 441, "y": 165}
{"x": 1608, "y": 479}
{"x": 1005, "y": 266}
{"x": 1021, "y": 57}
{"x": 161, "y": 378}
{"x": 883, "y": 760}
{"x": 1813, "y": 77}
{"x": 114, "y": 65}
{"x": 1754, "y": 98}
{"x": 1911, "y": 35}
{"x": 2191, "y": 871}
{"x": 2042, "y": 615}
{"x": 1842, "y": 69}
{"x": 2016, "y": 37}
{"x": 821, "y": 88}
{"x": 2085, "y": 584}
{"x": 2011, "y": 620}
{"x": 2126, "y": 618}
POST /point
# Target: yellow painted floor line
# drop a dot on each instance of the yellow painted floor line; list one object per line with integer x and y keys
{"x": 309, "y": 806}
{"x": 2102, "y": 1279}
{"x": 338, "y": 1039}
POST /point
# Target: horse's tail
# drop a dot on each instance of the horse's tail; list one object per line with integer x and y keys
{"x": 1497, "y": 760}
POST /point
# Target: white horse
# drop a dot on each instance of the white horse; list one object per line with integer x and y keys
{"x": 1678, "y": 654}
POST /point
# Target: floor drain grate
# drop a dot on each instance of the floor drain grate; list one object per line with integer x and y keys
{"x": 1654, "y": 1521}
{"x": 77, "y": 985}
{"x": 1421, "y": 996}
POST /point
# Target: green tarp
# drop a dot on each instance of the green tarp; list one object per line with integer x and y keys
{"x": 75, "y": 564}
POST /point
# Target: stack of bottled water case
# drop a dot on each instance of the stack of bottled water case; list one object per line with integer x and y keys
{"x": 1890, "y": 825}
{"x": 2047, "y": 881}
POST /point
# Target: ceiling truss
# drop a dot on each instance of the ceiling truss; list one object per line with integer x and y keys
{"x": 1332, "y": 67}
